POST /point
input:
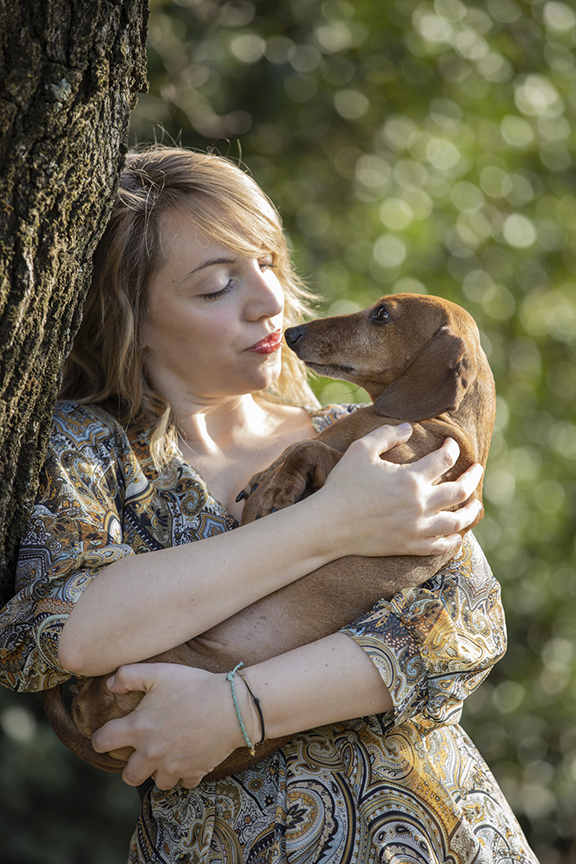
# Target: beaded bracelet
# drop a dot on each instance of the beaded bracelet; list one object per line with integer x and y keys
{"x": 230, "y": 678}
{"x": 256, "y": 702}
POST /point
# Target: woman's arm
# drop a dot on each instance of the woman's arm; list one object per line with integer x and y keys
{"x": 186, "y": 724}
{"x": 420, "y": 654}
{"x": 140, "y": 606}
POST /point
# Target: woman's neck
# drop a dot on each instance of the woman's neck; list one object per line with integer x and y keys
{"x": 210, "y": 427}
{"x": 229, "y": 442}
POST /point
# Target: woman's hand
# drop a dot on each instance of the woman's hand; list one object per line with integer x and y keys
{"x": 373, "y": 507}
{"x": 184, "y": 726}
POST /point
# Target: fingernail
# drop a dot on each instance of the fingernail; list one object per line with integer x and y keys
{"x": 404, "y": 427}
{"x": 110, "y": 681}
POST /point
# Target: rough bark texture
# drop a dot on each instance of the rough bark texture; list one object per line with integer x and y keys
{"x": 69, "y": 74}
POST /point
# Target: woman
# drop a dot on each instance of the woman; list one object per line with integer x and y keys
{"x": 180, "y": 387}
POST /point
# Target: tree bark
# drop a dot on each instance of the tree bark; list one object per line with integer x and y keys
{"x": 69, "y": 74}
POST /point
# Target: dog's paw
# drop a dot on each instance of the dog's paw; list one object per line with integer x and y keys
{"x": 279, "y": 489}
{"x": 301, "y": 470}
{"x": 263, "y": 477}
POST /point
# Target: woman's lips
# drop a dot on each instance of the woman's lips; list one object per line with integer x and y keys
{"x": 268, "y": 345}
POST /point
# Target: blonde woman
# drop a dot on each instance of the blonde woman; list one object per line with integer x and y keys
{"x": 176, "y": 392}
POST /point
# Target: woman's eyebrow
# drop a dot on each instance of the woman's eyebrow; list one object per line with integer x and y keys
{"x": 210, "y": 263}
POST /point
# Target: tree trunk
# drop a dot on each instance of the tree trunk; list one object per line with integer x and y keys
{"x": 69, "y": 74}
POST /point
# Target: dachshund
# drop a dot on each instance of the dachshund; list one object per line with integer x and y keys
{"x": 419, "y": 358}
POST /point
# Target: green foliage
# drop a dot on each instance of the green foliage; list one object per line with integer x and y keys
{"x": 421, "y": 146}
{"x": 426, "y": 146}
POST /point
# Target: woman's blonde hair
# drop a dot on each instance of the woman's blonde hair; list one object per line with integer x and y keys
{"x": 106, "y": 365}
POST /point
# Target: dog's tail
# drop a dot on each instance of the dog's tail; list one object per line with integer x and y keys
{"x": 63, "y": 725}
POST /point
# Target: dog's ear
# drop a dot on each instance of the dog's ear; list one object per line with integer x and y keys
{"x": 434, "y": 382}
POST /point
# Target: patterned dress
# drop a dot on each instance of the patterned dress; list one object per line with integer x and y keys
{"x": 406, "y": 787}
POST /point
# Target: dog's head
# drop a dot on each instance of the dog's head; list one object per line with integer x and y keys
{"x": 415, "y": 355}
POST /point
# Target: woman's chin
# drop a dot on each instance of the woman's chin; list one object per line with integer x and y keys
{"x": 267, "y": 374}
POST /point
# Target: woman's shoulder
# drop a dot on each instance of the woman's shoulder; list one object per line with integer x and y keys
{"x": 327, "y": 414}
{"x": 86, "y": 426}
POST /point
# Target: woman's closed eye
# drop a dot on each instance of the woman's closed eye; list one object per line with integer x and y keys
{"x": 265, "y": 263}
{"x": 214, "y": 295}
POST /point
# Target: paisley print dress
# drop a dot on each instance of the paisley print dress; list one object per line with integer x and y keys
{"x": 406, "y": 787}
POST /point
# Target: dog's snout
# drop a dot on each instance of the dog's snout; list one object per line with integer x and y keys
{"x": 294, "y": 334}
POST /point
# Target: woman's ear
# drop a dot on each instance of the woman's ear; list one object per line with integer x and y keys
{"x": 433, "y": 383}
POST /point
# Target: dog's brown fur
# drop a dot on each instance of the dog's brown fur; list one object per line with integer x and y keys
{"x": 419, "y": 358}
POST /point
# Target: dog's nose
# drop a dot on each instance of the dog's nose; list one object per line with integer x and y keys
{"x": 293, "y": 334}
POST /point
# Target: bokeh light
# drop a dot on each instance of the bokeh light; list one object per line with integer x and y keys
{"x": 427, "y": 146}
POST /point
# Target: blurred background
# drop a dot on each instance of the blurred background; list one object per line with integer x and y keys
{"x": 410, "y": 146}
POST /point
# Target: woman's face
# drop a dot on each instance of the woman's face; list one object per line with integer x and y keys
{"x": 214, "y": 320}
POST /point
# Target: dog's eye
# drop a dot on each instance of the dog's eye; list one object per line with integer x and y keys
{"x": 380, "y": 314}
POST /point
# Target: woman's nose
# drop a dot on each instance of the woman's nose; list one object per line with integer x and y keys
{"x": 266, "y": 296}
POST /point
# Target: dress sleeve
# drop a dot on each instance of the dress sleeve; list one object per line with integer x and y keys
{"x": 74, "y": 531}
{"x": 434, "y": 645}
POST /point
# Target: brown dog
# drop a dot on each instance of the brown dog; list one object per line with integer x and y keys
{"x": 420, "y": 359}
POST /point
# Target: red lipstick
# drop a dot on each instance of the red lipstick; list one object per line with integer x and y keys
{"x": 269, "y": 344}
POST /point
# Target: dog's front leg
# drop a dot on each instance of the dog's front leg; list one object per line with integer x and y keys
{"x": 301, "y": 470}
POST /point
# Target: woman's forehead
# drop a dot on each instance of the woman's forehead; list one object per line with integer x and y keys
{"x": 194, "y": 245}
{"x": 210, "y": 226}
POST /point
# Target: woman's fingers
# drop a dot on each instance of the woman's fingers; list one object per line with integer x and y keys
{"x": 125, "y": 731}
{"x": 455, "y": 492}
{"x": 138, "y": 769}
{"x": 450, "y": 494}
{"x": 432, "y": 466}
{"x": 385, "y": 437}
{"x": 440, "y": 545}
{"x": 167, "y": 778}
{"x": 113, "y": 735}
{"x": 441, "y": 533}
{"x": 447, "y": 522}
{"x": 165, "y": 770}
{"x": 140, "y": 677}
